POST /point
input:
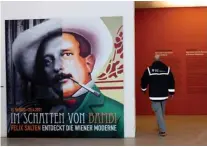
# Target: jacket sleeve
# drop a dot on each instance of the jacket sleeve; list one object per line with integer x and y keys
{"x": 171, "y": 85}
{"x": 145, "y": 80}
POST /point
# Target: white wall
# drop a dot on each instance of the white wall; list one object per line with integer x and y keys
{"x": 24, "y": 10}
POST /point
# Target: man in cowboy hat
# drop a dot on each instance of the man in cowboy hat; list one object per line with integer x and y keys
{"x": 67, "y": 55}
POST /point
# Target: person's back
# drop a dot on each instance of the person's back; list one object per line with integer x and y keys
{"x": 160, "y": 81}
{"x": 161, "y": 84}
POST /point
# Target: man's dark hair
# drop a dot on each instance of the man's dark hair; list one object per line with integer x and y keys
{"x": 84, "y": 45}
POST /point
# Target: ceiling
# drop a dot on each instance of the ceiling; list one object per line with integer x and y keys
{"x": 170, "y": 3}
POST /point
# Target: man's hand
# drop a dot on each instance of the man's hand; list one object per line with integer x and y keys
{"x": 143, "y": 91}
{"x": 171, "y": 96}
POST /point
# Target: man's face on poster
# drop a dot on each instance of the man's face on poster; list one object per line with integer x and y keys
{"x": 67, "y": 56}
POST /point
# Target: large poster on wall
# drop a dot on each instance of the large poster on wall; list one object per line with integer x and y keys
{"x": 65, "y": 77}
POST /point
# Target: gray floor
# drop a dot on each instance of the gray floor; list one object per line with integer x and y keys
{"x": 182, "y": 130}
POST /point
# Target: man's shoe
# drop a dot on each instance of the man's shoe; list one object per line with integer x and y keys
{"x": 162, "y": 134}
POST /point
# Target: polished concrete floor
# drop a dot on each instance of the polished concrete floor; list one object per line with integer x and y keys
{"x": 182, "y": 130}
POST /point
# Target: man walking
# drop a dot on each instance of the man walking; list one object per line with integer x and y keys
{"x": 161, "y": 85}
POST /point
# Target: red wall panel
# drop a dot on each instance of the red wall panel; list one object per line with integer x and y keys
{"x": 176, "y": 30}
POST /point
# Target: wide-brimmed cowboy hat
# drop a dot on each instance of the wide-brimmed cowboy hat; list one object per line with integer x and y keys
{"x": 26, "y": 45}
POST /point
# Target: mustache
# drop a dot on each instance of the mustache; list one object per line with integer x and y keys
{"x": 61, "y": 76}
